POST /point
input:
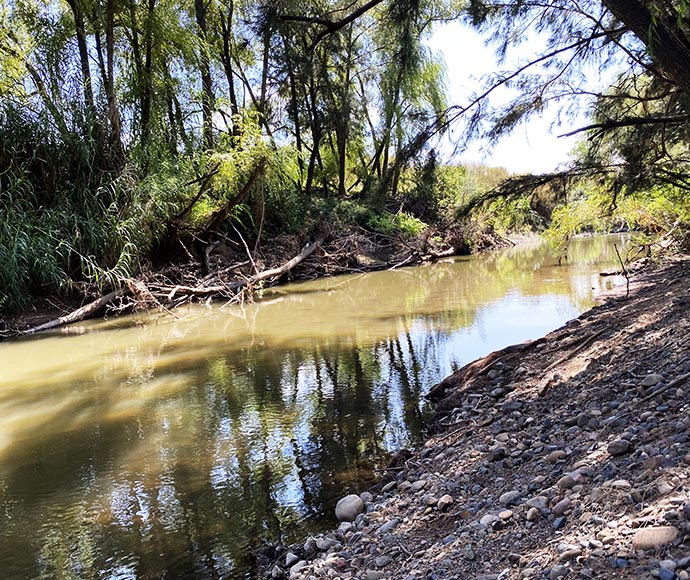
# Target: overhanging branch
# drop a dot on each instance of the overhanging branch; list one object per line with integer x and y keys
{"x": 630, "y": 122}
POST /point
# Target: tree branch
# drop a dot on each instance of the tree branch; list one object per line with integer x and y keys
{"x": 630, "y": 122}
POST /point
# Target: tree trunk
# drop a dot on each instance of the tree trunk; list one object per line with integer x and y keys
{"x": 147, "y": 74}
{"x": 114, "y": 121}
{"x": 87, "y": 85}
{"x": 666, "y": 42}
{"x": 226, "y": 58}
{"x": 207, "y": 97}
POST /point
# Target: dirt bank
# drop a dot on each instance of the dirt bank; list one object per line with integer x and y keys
{"x": 566, "y": 457}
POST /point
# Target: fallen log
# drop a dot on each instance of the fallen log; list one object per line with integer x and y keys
{"x": 79, "y": 314}
{"x": 307, "y": 251}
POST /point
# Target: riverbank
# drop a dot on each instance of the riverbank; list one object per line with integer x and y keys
{"x": 568, "y": 456}
{"x": 231, "y": 271}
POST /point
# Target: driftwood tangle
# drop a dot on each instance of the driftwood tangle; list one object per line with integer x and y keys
{"x": 178, "y": 294}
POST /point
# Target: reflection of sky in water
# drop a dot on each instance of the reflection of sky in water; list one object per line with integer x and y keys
{"x": 168, "y": 450}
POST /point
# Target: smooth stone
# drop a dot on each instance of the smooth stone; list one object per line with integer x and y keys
{"x": 497, "y": 454}
{"x": 382, "y": 561}
{"x": 533, "y": 514}
{"x": 375, "y": 575}
{"x": 277, "y": 572}
{"x": 310, "y": 548}
{"x": 444, "y": 502}
{"x": 348, "y": 508}
{"x": 505, "y": 514}
{"x": 619, "y": 447}
{"x": 324, "y": 543}
{"x": 510, "y": 497}
{"x": 429, "y": 500}
{"x": 366, "y": 497}
{"x": 297, "y": 568}
{"x": 388, "y": 526}
{"x": 558, "y": 571}
{"x": 561, "y": 507}
{"x": 666, "y": 574}
{"x": 570, "y": 555}
{"x": 558, "y": 523}
{"x": 566, "y": 482}
{"x": 654, "y": 537}
{"x": 541, "y": 502}
{"x": 651, "y": 380}
{"x": 290, "y": 559}
{"x": 468, "y": 552}
{"x": 418, "y": 485}
{"x": 389, "y": 486}
{"x": 556, "y": 456}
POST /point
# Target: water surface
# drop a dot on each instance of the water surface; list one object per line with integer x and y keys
{"x": 168, "y": 447}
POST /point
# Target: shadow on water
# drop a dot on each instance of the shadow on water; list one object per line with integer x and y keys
{"x": 170, "y": 449}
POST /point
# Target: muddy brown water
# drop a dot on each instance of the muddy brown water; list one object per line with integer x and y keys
{"x": 161, "y": 447}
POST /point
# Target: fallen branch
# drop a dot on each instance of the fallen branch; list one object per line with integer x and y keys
{"x": 307, "y": 251}
{"x": 79, "y": 314}
{"x": 572, "y": 353}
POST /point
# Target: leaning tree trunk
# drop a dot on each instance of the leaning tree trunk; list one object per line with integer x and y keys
{"x": 666, "y": 42}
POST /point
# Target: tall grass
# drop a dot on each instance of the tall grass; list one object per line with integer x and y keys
{"x": 64, "y": 219}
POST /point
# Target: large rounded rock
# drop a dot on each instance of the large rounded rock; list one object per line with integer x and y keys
{"x": 348, "y": 508}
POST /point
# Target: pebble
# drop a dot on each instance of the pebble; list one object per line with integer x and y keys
{"x": 561, "y": 507}
{"x": 297, "y": 568}
{"x": 566, "y": 482}
{"x": 556, "y": 456}
{"x": 375, "y": 575}
{"x": 418, "y": 485}
{"x": 619, "y": 447}
{"x": 444, "y": 502}
{"x": 541, "y": 502}
{"x": 290, "y": 559}
{"x": 651, "y": 380}
{"x": 570, "y": 555}
{"x": 382, "y": 561}
{"x": 654, "y": 537}
{"x": 666, "y": 574}
{"x": 558, "y": 571}
{"x": 389, "y": 486}
{"x": 686, "y": 511}
{"x": 388, "y": 526}
{"x": 558, "y": 523}
{"x": 497, "y": 454}
{"x": 510, "y": 497}
{"x": 533, "y": 514}
{"x": 348, "y": 508}
{"x": 324, "y": 544}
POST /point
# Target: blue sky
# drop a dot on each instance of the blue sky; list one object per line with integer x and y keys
{"x": 533, "y": 147}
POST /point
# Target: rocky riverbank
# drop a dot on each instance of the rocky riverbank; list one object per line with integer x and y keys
{"x": 565, "y": 457}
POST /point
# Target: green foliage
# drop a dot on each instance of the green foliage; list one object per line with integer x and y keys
{"x": 400, "y": 224}
{"x": 652, "y": 212}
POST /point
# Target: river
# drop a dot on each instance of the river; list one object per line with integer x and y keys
{"x": 165, "y": 446}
